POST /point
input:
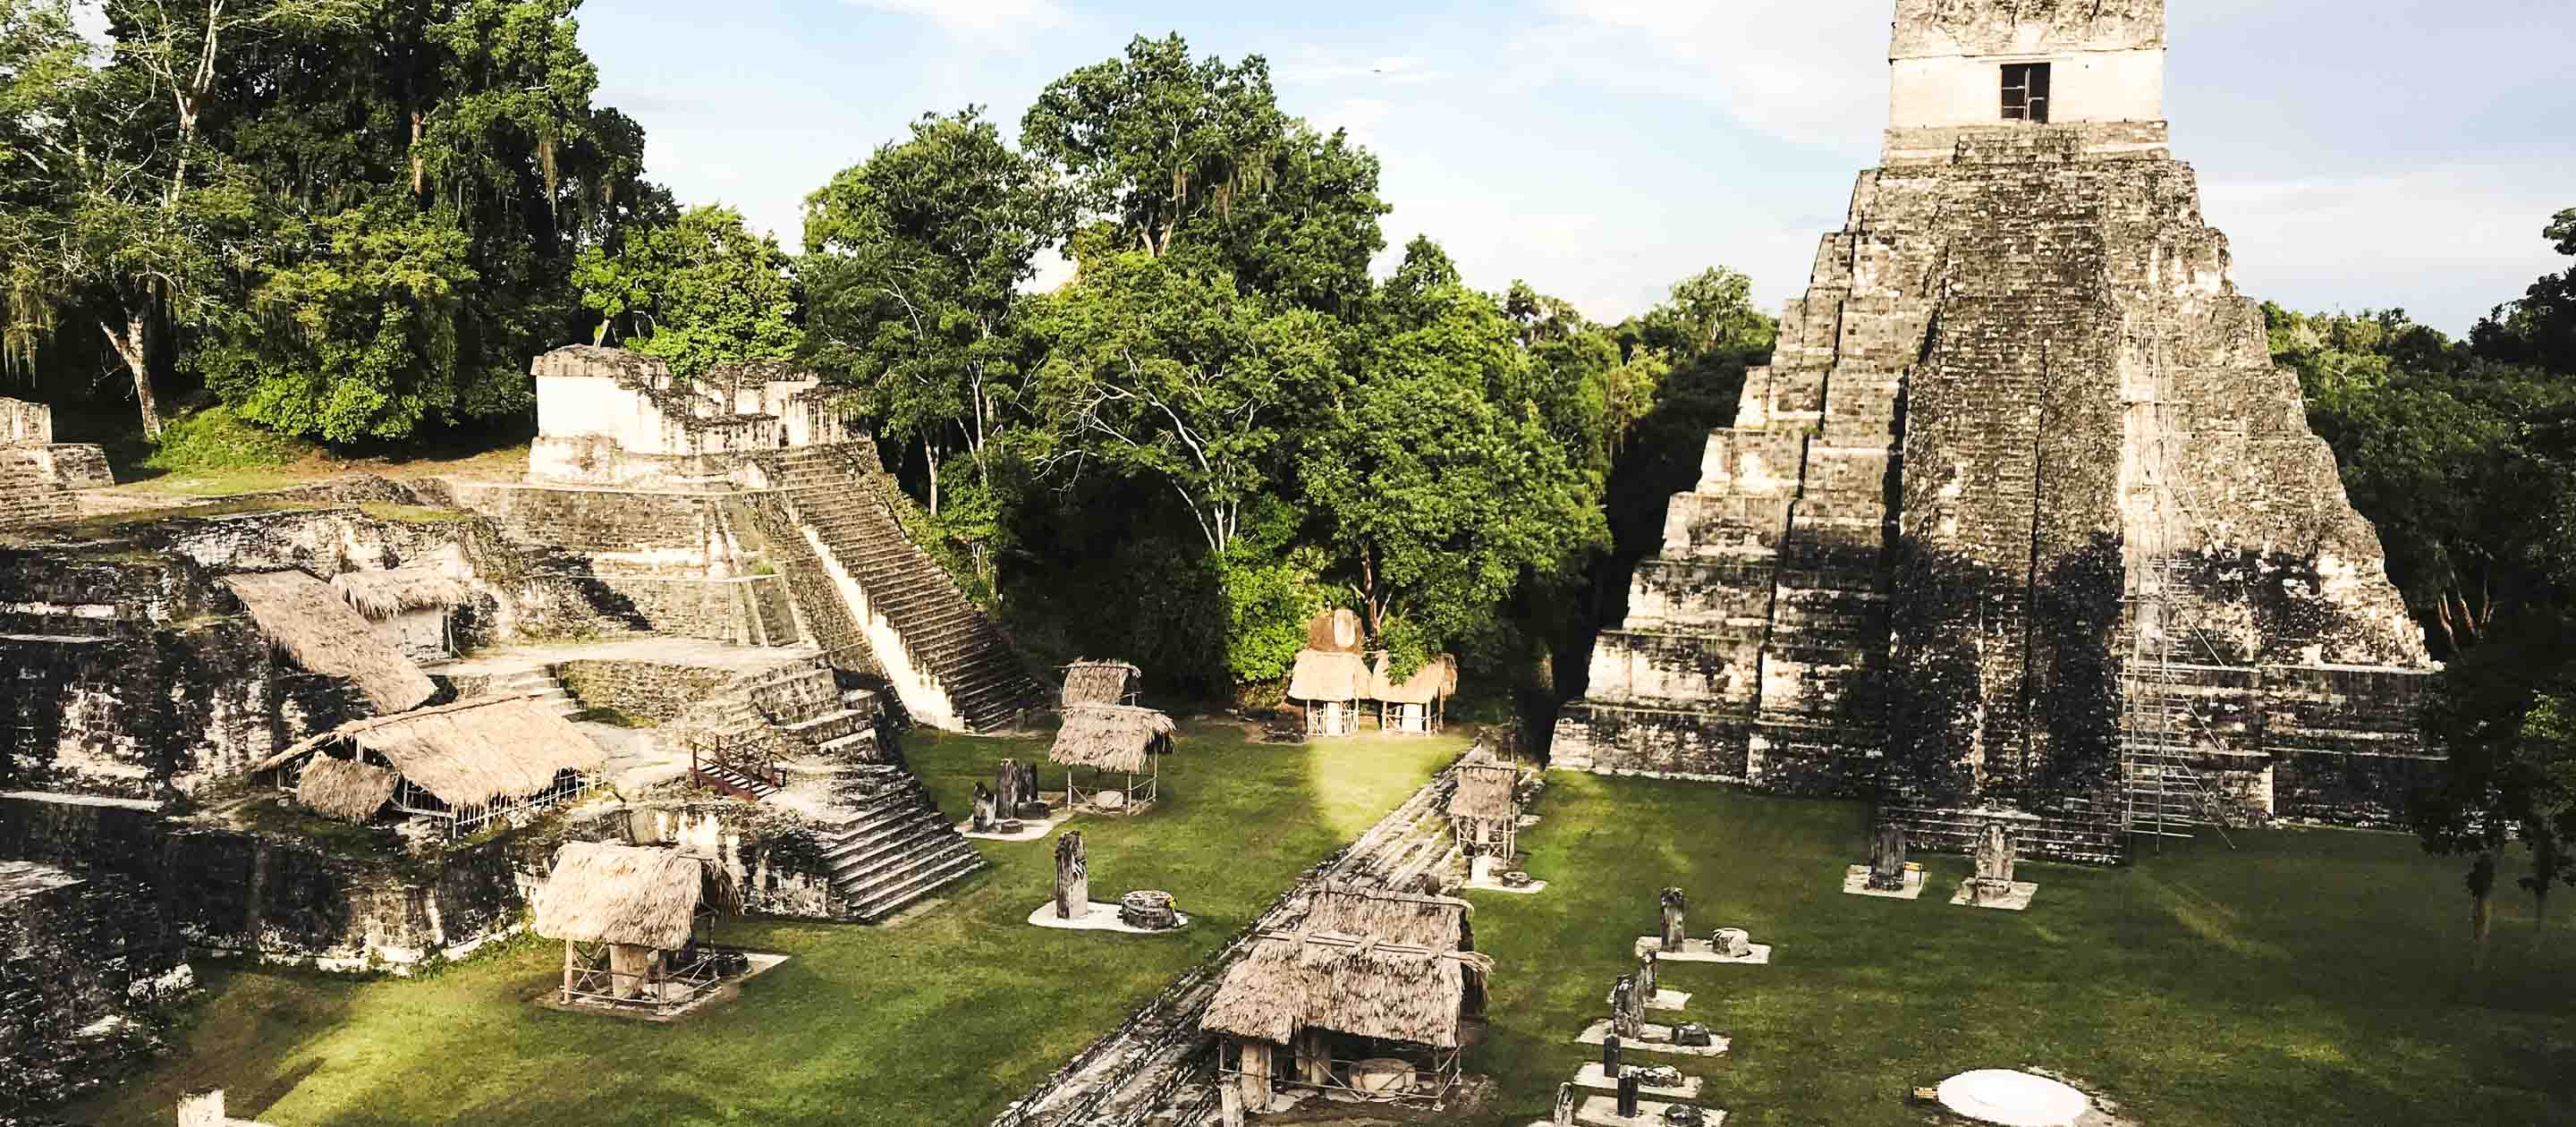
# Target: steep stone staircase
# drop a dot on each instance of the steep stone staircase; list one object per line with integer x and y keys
{"x": 884, "y": 841}
{"x": 894, "y": 847}
{"x": 952, "y": 648}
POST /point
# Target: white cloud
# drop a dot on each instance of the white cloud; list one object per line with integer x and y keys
{"x": 976, "y": 18}
{"x": 1804, "y": 70}
{"x": 2444, "y": 243}
{"x": 1359, "y": 116}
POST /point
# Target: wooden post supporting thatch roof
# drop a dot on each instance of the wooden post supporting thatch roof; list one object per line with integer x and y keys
{"x": 318, "y": 628}
{"x": 1409, "y": 980}
{"x": 635, "y": 896}
{"x": 380, "y": 595}
{"x": 1111, "y": 737}
{"x": 345, "y": 789}
{"x": 1098, "y": 682}
{"x": 466, "y": 754}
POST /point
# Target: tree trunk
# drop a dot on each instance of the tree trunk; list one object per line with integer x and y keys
{"x": 130, "y": 348}
{"x": 931, "y": 456}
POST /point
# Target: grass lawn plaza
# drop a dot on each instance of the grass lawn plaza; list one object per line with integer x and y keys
{"x": 2308, "y": 977}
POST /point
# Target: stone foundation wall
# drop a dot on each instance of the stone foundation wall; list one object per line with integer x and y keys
{"x": 640, "y": 688}
{"x": 90, "y": 958}
{"x": 638, "y": 527}
{"x": 29, "y": 494}
{"x": 281, "y": 901}
{"x": 747, "y": 611}
{"x": 233, "y": 893}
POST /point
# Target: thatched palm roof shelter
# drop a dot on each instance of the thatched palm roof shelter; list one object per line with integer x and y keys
{"x": 1326, "y": 685}
{"x": 630, "y": 895}
{"x": 1364, "y": 969}
{"x": 1417, "y": 702}
{"x": 1485, "y": 809}
{"x": 464, "y": 762}
{"x": 1099, "y": 682}
{"x": 626, "y": 915}
{"x": 1116, "y": 738}
{"x": 381, "y": 595}
{"x": 345, "y": 789}
{"x": 316, "y": 626}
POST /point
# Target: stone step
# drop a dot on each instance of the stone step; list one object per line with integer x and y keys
{"x": 887, "y": 903}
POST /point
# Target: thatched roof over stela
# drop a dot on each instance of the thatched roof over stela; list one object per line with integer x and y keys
{"x": 1110, "y": 737}
{"x": 641, "y": 896}
{"x": 1405, "y": 978}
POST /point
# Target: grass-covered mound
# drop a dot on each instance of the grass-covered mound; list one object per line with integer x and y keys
{"x": 942, "y": 1019}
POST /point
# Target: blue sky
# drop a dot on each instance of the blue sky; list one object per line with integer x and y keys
{"x": 2358, "y": 153}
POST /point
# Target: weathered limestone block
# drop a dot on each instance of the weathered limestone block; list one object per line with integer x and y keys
{"x": 1072, "y": 877}
{"x": 1887, "y": 859}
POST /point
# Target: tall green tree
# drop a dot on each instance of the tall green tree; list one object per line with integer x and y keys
{"x": 697, "y": 293}
{"x": 2540, "y": 329}
{"x": 1193, "y": 157}
{"x": 1169, "y": 374}
{"x": 1438, "y": 479}
{"x": 914, "y": 266}
{"x": 357, "y": 329}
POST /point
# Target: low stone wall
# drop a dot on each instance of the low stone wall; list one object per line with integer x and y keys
{"x": 29, "y": 495}
{"x": 654, "y": 690}
{"x": 639, "y": 526}
{"x": 279, "y": 901}
{"x": 234, "y": 893}
{"x": 748, "y": 610}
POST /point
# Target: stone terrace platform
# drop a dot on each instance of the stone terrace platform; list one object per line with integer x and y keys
{"x": 503, "y": 661}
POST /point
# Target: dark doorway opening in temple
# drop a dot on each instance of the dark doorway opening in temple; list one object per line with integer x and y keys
{"x": 2026, "y": 92}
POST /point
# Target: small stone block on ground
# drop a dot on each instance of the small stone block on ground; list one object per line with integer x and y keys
{"x": 1603, "y": 1111}
{"x": 1498, "y": 886}
{"x": 1700, "y": 951}
{"x": 1669, "y": 1000}
{"x": 1856, "y": 883}
{"x": 1101, "y": 917}
{"x": 2017, "y": 900}
{"x": 1029, "y": 830}
{"x": 1655, "y": 1039}
{"x": 1595, "y": 1077}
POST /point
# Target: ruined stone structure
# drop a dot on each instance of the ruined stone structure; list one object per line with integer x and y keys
{"x": 2020, "y": 482}
{"x": 38, "y": 474}
{"x": 738, "y": 507}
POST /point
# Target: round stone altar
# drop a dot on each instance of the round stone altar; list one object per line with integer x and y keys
{"x": 2013, "y": 1099}
{"x": 1382, "y": 1075}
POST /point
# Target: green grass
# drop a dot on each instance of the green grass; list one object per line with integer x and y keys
{"x": 2312, "y": 977}
{"x": 943, "y": 1019}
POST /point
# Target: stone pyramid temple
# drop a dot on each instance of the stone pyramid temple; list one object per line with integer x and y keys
{"x": 2021, "y": 515}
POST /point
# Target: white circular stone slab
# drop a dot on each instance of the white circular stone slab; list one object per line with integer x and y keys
{"x": 2013, "y": 1099}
